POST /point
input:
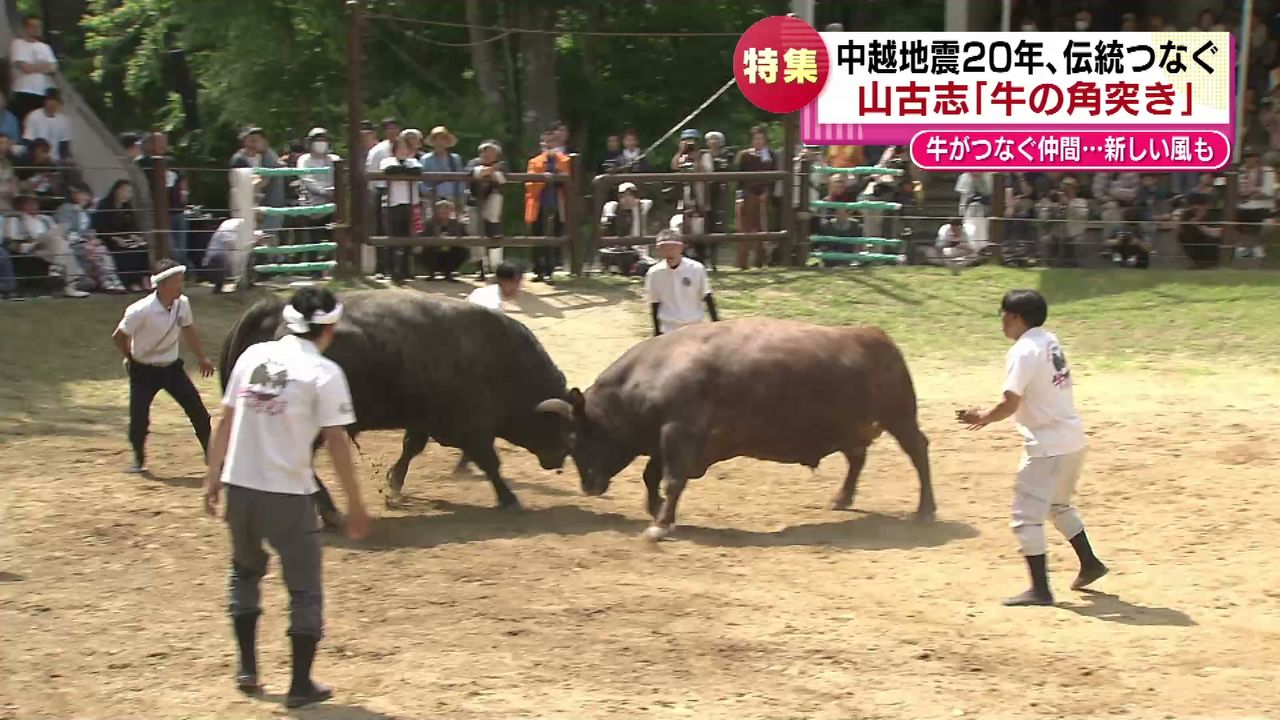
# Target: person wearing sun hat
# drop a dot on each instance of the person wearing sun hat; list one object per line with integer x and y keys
{"x": 442, "y": 159}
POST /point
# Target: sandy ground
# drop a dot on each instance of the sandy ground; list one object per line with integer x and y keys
{"x": 763, "y": 605}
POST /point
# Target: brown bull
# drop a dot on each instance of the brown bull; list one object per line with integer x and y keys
{"x": 768, "y": 389}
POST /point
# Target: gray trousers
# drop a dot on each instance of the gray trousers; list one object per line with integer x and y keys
{"x": 288, "y": 523}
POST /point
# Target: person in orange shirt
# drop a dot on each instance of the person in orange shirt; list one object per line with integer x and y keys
{"x": 544, "y": 204}
{"x": 845, "y": 156}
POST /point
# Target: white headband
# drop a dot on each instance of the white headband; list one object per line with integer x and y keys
{"x": 299, "y": 324}
{"x": 166, "y": 274}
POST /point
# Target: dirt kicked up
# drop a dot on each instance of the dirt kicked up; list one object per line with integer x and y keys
{"x": 762, "y": 605}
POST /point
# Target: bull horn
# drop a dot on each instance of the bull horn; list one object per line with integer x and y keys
{"x": 557, "y": 406}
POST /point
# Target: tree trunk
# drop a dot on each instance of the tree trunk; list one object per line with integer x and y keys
{"x": 482, "y": 56}
{"x": 537, "y": 68}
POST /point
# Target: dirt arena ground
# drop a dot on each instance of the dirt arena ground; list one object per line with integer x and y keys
{"x": 763, "y": 605}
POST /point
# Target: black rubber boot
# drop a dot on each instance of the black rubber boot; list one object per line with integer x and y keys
{"x": 302, "y": 690}
{"x": 246, "y": 627}
{"x": 1091, "y": 568}
{"x": 1039, "y": 593}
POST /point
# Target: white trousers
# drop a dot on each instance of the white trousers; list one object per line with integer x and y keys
{"x": 1044, "y": 489}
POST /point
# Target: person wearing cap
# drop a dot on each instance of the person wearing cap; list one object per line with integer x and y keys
{"x": 488, "y": 174}
{"x": 49, "y": 122}
{"x": 544, "y": 203}
{"x": 257, "y": 152}
{"x": 280, "y": 396}
{"x": 677, "y": 287}
{"x": 317, "y": 189}
{"x": 690, "y": 158}
{"x": 441, "y": 159}
{"x": 147, "y": 337}
{"x": 628, "y": 216}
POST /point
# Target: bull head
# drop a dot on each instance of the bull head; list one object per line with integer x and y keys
{"x": 564, "y": 409}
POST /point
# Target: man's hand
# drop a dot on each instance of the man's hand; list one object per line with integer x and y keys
{"x": 356, "y": 524}
{"x": 206, "y": 367}
{"x": 972, "y": 417}
{"x": 212, "y": 488}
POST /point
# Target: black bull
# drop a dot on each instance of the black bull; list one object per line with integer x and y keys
{"x": 435, "y": 368}
{"x": 767, "y": 389}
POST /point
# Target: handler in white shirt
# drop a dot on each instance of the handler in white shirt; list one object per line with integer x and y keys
{"x": 147, "y": 337}
{"x": 280, "y": 396}
{"x": 677, "y": 287}
{"x": 1037, "y": 392}
{"x": 506, "y": 289}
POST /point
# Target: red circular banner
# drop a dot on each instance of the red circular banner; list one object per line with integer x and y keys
{"x": 781, "y": 64}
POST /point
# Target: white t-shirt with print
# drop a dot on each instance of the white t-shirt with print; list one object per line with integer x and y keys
{"x": 489, "y": 296}
{"x": 1036, "y": 371}
{"x": 154, "y": 330}
{"x": 34, "y": 53}
{"x": 284, "y": 392}
{"x": 679, "y": 292}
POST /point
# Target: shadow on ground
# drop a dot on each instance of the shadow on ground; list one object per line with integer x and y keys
{"x": 1108, "y": 607}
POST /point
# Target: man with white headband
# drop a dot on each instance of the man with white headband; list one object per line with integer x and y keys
{"x": 148, "y": 337}
{"x": 280, "y": 396}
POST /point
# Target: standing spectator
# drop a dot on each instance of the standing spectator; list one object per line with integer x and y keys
{"x": 32, "y": 66}
{"x": 39, "y": 235}
{"x": 48, "y": 123}
{"x": 383, "y": 150}
{"x": 1067, "y": 215}
{"x": 317, "y": 189}
{"x": 257, "y": 152}
{"x": 368, "y": 139}
{"x": 630, "y": 159}
{"x": 612, "y": 151}
{"x": 544, "y": 203}
{"x": 117, "y": 228}
{"x": 1257, "y": 200}
{"x": 8, "y": 176}
{"x": 693, "y": 201}
{"x": 377, "y": 197}
{"x": 401, "y": 198}
{"x": 445, "y": 261}
{"x": 413, "y": 136}
{"x": 154, "y": 147}
{"x": 753, "y": 214}
{"x": 560, "y": 137}
{"x": 132, "y": 144}
{"x": 9, "y": 126}
{"x": 488, "y": 173}
{"x": 717, "y": 193}
{"x": 1116, "y": 192}
{"x": 73, "y": 222}
{"x": 442, "y": 160}
{"x": 41, "y": 177}
{"x": 1084, "y": 20}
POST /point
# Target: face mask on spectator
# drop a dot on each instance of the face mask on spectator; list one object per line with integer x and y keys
{"x": 320, "y": 147}
{"x": 1082, "y": 25}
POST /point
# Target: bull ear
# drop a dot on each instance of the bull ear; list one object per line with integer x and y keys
{"x": 577, "y": 400}
{"x": 557, "y": 406}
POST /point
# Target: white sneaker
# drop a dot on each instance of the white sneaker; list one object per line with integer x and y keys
{"x": 136, "y": 469}
{"x": 71, "y": 292}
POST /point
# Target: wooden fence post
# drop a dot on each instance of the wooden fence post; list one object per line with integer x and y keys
{"x": 161, "y": 242}
{"x": 573, "y": 214}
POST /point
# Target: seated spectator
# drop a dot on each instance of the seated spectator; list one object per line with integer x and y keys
{"x": 841, "y": 224}
{"x": 34, "y": 234}
{"x": 117, "y": 228}
{"x": 1066, "y": 219}
{"x": 444, "y": 261}
{"x": 32, "y": 64}
{"x": 9, "y": 126}
{"x": 1129, "y": 250}
{"x": 1200, "y": 243}
{"x": 1115, "y": 192}
{"x": 73, "y": 221}
{"x": 41, "y": 177}
{"x": 8, "y": 176}
{"x": 8, "y": 277}
{"x": 628, "y": 216}
{"x": 50, "y": 124}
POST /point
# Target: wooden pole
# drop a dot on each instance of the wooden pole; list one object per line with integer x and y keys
{"x": 160, "y": 203}
{"x": 791, "y": 143}
{"x": 573, "y": 214}
{"x": 348, "y": 265}
{"x": 357, "y": 204}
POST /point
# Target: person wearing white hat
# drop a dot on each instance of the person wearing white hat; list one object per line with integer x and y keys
{"x": 280, "y": 396}
{"x": 317, "y": 189}
{"x": 147, "y": 337}
{"x": 677, "y": 287}
{"x": 488, "y": 174}
{"x": 628, "y": 216}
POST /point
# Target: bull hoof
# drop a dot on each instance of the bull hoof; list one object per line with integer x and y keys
{"x": 510, "y": 505}
{"x": 840, "y": 503}
{"x": 394, "y": 499}
{"x": 654, "y": 533}
{"x": 331, "y": 519}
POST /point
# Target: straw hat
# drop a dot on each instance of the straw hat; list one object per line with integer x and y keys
{"x": 439, "y": 130}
